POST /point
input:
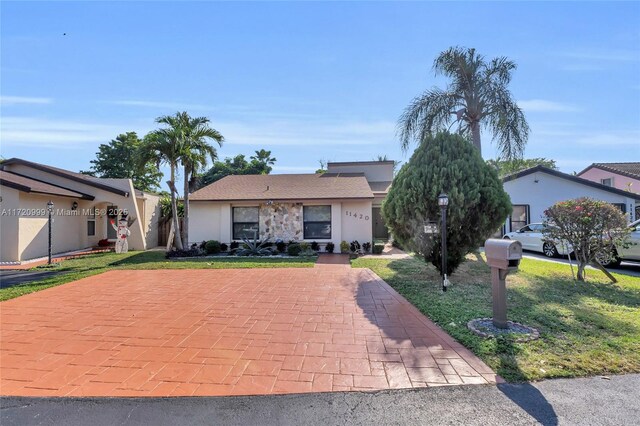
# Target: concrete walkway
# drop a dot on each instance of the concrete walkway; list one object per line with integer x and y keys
{"x": 225, "y": 332}
{"x": 591, "y": 401}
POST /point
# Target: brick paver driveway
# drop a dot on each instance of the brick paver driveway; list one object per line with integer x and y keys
{"x": 224, "y": 332}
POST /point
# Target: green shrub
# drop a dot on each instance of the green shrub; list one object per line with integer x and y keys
{"x": 281, "y": 246}
{"x": 378, "y": 248}
{"x": 344, "y": 247}
{"x": 478, "y": 206}
{"x": 294, "y": 249}
{"x": 330, "y": 247}
{"x": 213, "y": 247}
{"x": 305, "y": 246}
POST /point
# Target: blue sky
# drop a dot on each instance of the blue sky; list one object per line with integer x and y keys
{"x": 309, "y": 81}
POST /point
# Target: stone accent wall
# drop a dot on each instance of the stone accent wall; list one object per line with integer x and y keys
{"x": 281, "y": 221}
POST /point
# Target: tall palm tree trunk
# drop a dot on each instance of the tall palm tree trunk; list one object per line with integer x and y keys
{"x": 185, "y": 228}
{"x": 475, "y": 135}
{"x": 177, "y": 241}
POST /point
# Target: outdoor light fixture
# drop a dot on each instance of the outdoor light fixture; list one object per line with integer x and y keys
{"x": 50, "y": 210}
{"x": 443, "y": 202}
{"x": 74, "y": 206}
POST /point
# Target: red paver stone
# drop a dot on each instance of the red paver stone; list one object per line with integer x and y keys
{"x": 225, "y": 332}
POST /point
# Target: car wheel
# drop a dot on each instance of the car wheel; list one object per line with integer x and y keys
{"x": 609, "y": 262}
{"x": 549, "y": 250}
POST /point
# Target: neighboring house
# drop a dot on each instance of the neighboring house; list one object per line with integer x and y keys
{"x": 625, "y": 176}
{"x": 83, "y": 208}
{"x": 534, "y": 190}
{"x": 331, "y": 207}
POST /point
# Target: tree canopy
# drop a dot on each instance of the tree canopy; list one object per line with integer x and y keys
{"x": 118, "y": 159}
{"x": 476, "y": 97}
{"x": 478, "y": 205}
{"x": 507, "y": 167}
{"x": 260, "y": 164}
{"x": 592, "y": 228}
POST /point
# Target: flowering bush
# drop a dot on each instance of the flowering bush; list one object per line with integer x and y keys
{"x": 592, "y": 228}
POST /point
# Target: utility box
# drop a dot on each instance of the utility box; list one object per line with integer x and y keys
{"x": 503, "y": 256}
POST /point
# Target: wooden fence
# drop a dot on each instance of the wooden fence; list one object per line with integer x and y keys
{"x": 164, "y": 226}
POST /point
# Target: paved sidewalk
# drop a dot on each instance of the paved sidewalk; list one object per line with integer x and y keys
{"x": 225, "y": 332}
{"x": 565, "y": 402}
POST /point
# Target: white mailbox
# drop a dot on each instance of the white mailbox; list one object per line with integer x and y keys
{"x": 503, "y": 254}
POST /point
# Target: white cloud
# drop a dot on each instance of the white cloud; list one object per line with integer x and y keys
{"x": 15, "y": 100}
{"x": 541, "y": 105}
{"x": 49, "y": 133}
{"x": 612, "y": 140}
{"x": 160, "y": 104}
{"x": 307, "y": 133}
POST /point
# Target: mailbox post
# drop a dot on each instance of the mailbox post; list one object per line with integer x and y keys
{"x": 503, "y": 256}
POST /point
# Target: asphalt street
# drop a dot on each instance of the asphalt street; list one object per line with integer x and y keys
{"x": 590, "y": 401}
{"x": 10, "y": 278}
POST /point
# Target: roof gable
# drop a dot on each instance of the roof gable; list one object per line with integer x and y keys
{"x": 27, "y": 184}
{"x": 569, "y": 177}
{"x": 631, "y": 169}
{"x": 77, "y": 177}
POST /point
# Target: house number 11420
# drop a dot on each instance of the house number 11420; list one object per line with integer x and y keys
{"x": 356, "y": 215}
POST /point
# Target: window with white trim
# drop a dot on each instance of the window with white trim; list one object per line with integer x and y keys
{"x": 519, "y": 216}
{"x": 246, "y": 222}
{"x": 317, "y": 222}
{"x": 91, "y": 223}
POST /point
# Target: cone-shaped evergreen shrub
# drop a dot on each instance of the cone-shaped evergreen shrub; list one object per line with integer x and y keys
{"x": 478, "y": 206}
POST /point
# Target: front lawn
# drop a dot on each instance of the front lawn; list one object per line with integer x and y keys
{"x": 586, "y": 329}
{"x": 95, "y": 264}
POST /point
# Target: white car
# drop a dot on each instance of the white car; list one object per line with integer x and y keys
{"x": 631, "y": 250}
{"x": 531, "y": 238}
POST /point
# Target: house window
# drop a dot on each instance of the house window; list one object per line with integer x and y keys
{"x": 607, "y": 182}
{"x": 519, "y": 217}
{"x": 245, "y": 222}
{"x": 621, "y": 206}
{"x": 317, "y": 222}
{"x": 91, "y": 223}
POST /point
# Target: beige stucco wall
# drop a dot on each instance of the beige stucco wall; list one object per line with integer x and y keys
{"x": 102, "y": 197}
{"x": 149, "y": 210}
{"x": 205, "y": 221}
{"x": 373, "y": 171}
{"x": 356, "y": 221}
{"x": 210, "y": 220}
{"x": 8, "y": 224}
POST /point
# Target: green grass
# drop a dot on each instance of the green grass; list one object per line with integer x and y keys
{"x": 98, "y": 263}
{"x": 586, "y": 329}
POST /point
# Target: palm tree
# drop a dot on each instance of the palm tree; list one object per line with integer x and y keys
{"x": 195, "y": 150}
{"x": 265, "y": 159}
{"x": 477, "y": 96}
{"x": 162, "y": 146}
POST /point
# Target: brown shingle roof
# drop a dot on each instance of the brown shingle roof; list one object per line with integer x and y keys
{"x": 631, "y": 169}
{"x": 27, "y": 184}
{"x": 78, "y": 177}
{"x": 286, "y": 187}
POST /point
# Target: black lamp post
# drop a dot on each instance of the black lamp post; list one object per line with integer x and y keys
{"x": 443, "y": 202}
{"x": 50, "y": 210}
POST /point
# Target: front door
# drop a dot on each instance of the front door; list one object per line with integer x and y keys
{"x": 380, "y": 231}
{"x": 112, "y": 214}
